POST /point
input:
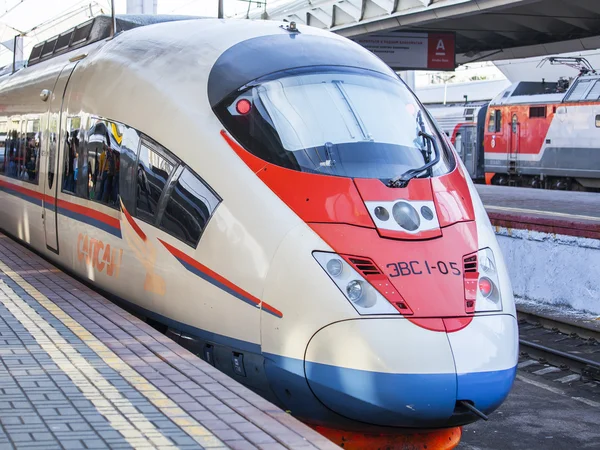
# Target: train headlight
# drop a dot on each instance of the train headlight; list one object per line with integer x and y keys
{"x": 488, "y": 293}
{"x": 361, "y": 294}
{"x": 406, "y": 216}
{"x": 335, "y": 267}
{"x": 354, "y": 290}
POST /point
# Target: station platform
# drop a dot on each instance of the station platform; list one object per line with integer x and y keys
{"x": 78, "y": 372}
{"x": 561, "y": 212}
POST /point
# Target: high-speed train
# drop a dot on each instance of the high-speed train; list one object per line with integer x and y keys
{"x": 276, "y": 197}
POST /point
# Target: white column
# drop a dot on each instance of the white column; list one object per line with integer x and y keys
{"x": 142, "y": 6}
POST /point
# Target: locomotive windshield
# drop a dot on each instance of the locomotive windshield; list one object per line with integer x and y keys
{"x": 351, "y": 123}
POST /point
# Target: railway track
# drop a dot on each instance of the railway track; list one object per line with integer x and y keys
{"x": 560, "y": 344}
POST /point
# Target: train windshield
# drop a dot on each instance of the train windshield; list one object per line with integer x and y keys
{"x": 350, "y": 123}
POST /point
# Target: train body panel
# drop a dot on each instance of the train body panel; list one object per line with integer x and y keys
{"x": 302, "y": 272}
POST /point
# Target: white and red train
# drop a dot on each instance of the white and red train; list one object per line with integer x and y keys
{"x": 248, "y": 185}
{"x": 536, "y": 134}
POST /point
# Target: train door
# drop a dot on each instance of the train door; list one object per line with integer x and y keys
{"x": 53, "y": 147}
{"x": 514, "y": 142}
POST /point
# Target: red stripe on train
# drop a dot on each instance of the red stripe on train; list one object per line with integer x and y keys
{"x": 202, "y": 268}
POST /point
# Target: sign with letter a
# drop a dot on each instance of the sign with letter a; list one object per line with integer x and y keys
{"x": 413, "y": 51}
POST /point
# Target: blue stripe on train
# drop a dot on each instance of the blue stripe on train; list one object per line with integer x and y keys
{"x": 65, "y": 212}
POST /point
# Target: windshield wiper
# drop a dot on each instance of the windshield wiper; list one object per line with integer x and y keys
{"x": 402, "y": 180}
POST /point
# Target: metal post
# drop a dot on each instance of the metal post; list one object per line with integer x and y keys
{"x": 114, "y": 19}
{"x": 17, "y": 51}
{"x": 220, "y": 9}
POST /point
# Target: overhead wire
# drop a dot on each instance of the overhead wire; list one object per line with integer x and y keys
{"x": 8, "y": 11}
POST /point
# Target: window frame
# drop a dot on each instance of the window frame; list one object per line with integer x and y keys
{"x": 152, "y": 145}
{"x": 178, "y": 168}
{"x": 534, "y": 109}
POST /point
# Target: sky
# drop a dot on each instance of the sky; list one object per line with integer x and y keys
{"x": 18, "y": 16}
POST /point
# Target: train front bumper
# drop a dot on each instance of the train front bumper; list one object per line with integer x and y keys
{"x": 391, "y": 372}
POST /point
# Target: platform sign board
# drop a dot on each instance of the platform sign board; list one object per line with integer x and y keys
{"x": 413, "y": 50}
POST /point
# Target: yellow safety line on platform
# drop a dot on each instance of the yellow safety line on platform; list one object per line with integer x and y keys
{"x": 90, "y": 381}
{"x": 545, "y": 213}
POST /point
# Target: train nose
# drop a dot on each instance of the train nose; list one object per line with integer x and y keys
{"x": 391, "y": 372}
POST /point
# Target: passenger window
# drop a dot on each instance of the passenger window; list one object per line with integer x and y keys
{"x": 188, "y": 209}
{"x": 153, "y": 171}
{"x": 71, "y": 152}
{"x": 127, "y": 179}
{"x": 13, "y": 158}
{"x": 31, "y": 151}
{"x": 3, "y": 138}
{"x": 105, "y": 142}
{"x": 87, "y": 143}
{"x": 597, "y": 120}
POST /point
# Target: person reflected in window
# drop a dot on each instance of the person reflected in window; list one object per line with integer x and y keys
{"x": 115, "y": 184}
{"x": 31, "y": 168}
{"x": 108, "y": 175}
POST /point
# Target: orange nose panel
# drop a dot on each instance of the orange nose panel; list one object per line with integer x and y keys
{"x": 434, "y": 440}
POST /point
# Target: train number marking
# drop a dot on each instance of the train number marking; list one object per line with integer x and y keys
{"x": 407, "y": 268}
{"x": 99, "y": 255}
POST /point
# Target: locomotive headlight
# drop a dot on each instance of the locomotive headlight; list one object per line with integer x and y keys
{"x": 361, "y": 294}
{"x": 406, "y": 216}
{"x": 335, "y": 267}
{"x": 354, "y": 290}
{"x": 488, "y": 293}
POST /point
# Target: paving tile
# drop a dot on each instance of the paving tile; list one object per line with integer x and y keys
{"x": 78, "y": 372}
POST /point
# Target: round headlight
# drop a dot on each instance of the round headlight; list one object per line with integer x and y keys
{"x": 427, "y": 212}
{"x": 354, "y": 290}
{"x": 381, "y": 213}
{"x": 406, "y": 216}
{"x": 334, "y": 267}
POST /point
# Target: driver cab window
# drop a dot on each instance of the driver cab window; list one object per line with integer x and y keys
{"x": 495, "y": 122}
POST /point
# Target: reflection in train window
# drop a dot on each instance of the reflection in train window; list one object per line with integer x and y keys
{"x": 21, "y": 149}
{"x": 188, "y": 209}
{"x": 153, "y": 172}
{"x": 130, "y": 141}
{"x": 71, "y": 152}
{"x": 3, "y": 136}
{"x": 31, "y": 150}
{"x": 100, "y": 161}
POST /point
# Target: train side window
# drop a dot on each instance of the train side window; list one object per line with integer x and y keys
{"x": 537, "y": 112}
{"x": 87, "y": 144}
{"x": 189, "y": 207}
{"x": 492, "y": 123}
{"x": 12, "y": 160}
{"x": 153, "y": 172}
{"x": 130, "y": 143}
{"x": 597, "y": 120}
{"x": 71, "y": 152}
{"x": 498, "y": 121}
{"x": 31, "y": 150}
{"x": 3, "y": 139}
